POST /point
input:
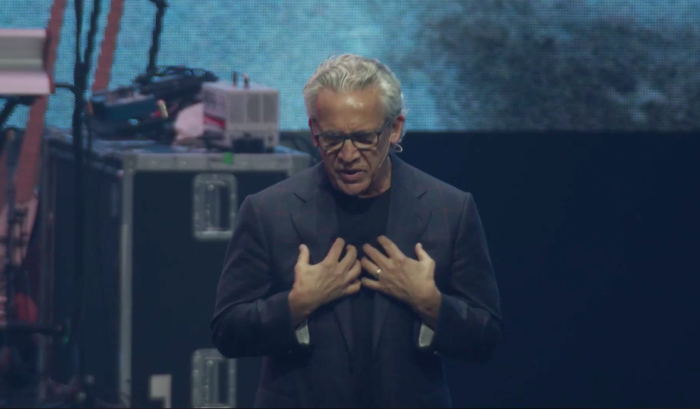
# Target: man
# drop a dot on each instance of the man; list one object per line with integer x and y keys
{"x": 354, "y": 278}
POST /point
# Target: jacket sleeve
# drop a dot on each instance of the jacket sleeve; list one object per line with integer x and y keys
{"x": 249, "y": 319}
{"x": 469, "y": 319}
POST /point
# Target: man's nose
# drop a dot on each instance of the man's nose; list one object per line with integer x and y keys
{"x": 348, "y": 151}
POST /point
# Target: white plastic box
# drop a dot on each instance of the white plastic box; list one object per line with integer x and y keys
{"x": 238, "y": 111}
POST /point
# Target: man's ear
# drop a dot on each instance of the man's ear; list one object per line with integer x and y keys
{"x": 396, "y": 129}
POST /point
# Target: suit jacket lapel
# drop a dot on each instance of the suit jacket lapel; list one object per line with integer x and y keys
{"x": 407, "y": 222}
{"x": 317, "y": 226}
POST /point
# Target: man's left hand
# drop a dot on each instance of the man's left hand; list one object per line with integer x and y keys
{"x": 408, "y": 280}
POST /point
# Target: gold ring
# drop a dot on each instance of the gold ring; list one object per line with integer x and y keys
{"x": 379, "y": 272}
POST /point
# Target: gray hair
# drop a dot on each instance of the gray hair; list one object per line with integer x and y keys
{"x": 349, "y": 72}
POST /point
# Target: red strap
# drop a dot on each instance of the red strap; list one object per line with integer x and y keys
{"x": 28, "y": 167}
{"x": 109, "y": 45}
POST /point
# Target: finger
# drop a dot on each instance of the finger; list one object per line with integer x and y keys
{"x": 422, "y": 255}
{"x": 369, "y": 266}
{"x": 336, "y": 250}
{"x": 355, "y": 271}
{"x": 391, "y": 249}
{"x": 375, "y": 255}
{"x": 353, "y": 287}
{"x": 303, "y": 255}
{"x": 371, "y": 284}
{"x": 350, "y": 257}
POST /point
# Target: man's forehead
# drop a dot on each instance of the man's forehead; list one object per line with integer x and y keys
{"x": 349, "y": 110}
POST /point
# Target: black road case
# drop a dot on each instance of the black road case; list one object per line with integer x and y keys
{"x": 158, "y": 223}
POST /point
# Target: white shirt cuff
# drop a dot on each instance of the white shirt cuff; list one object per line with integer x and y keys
{"x": 425, "y": 338}
{"x": 303, "y": 333}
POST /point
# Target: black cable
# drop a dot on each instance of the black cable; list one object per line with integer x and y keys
{"x": 157, "y": 30}
{"x": 86, "y": 167}
{"x": 92, "y": 32}
{"x": 87, "y": 62}
{"x": 146, "y": 78}
{"x": 79, "y": 81}
{"x": 83, "y": 169}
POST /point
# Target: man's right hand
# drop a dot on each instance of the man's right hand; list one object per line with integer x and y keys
{"x": 319, "y": 284}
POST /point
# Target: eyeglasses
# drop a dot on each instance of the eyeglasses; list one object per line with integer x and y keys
{"x": 364, "y": 140}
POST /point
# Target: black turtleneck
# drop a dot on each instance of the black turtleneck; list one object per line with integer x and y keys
{"x": 361, "y": 221}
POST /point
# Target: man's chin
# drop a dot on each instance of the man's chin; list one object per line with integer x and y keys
{"x": 352, "y": 189}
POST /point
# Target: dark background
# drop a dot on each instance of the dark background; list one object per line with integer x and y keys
{"x": 593, "y": 238}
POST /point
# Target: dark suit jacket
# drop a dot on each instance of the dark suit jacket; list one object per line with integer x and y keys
{"x": 252, "y": 316}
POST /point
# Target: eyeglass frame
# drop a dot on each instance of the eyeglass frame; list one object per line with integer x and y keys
{"x": 345, "y": 137}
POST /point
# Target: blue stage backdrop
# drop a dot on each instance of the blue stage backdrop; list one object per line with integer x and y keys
{"x": 465, "y": 64}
